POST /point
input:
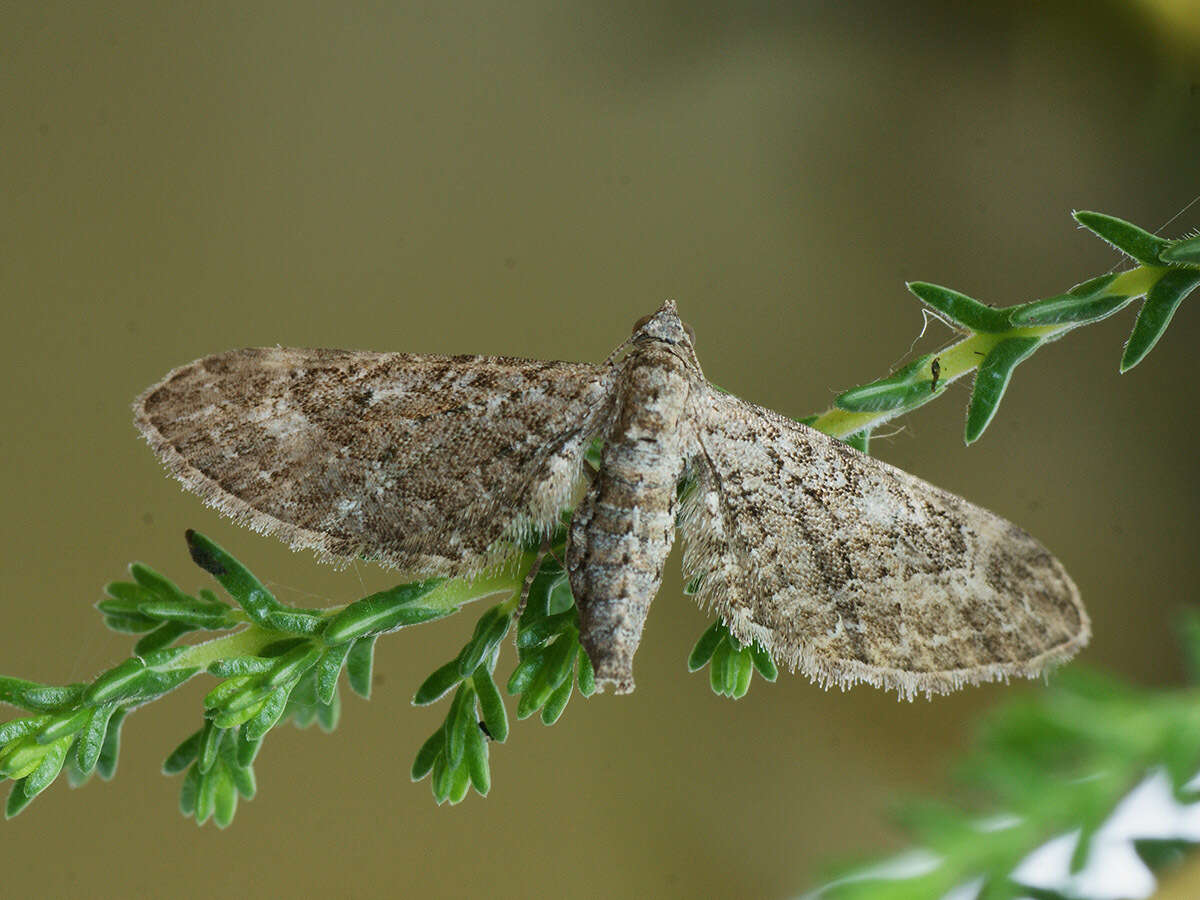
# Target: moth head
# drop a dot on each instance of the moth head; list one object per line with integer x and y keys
{"x": 664, "y": 326}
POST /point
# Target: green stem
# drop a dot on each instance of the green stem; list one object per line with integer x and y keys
{"x": 964, "y": 356}
{"x": 449, "y": 595}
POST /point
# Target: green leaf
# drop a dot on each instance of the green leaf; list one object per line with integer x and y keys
{"x": 297, "y": 621}
{"x": 329, "y": 713}
{"x": 237, "y": 580}
{"x": 158, "y": 585}
{"x": 17, "y": 799}
{"x": 121, "y": 607}
{"x": 359, "y": 664}
{"x": 224, "y": 692}
{"x": 246, "y": 748}
{"x": 1160, "y": 305}
{"x": 91, "y": 740}
{"x": 21, "y": 758}
{"x": 880, "y": 397}
{"x": 292, "y": 665}
{"x": 165, "y": 634}
{"x": 121, "y": 681}
{"x": 586, "y": 675}
{"x": 557, "y": 703}
{"x": 559, "y": 599}
{"x": 190, "y": 612}
{"x": 189, "y": 792}
{"x": 525, "y": 672}
{"x": 706, "y": 646}
{"x": 106, "y": 763}
{"x": 441, "y": 779}
{"x": 904, "y": 387}
{"x": 35, "y": 697}
{"x": 961, "y": 309}
{"x": 476, "y": 758}
{"x": 302, "y": 705}
{"x": 15, "y": 729}
{"x": 743, "y": 671}
{"x": 210, "y": 745}
{"x": 205, "y": 798}
{"x": 129, "y": 624}
{"x": 183, "y": 755}
{"x": 537, "y": 602}
{"x": 1125, "y": 236}
{"x": 52, "y": 762}
{"x": 720, "y": 671}
{"x": 535, "y": 631}
{"x": 560, "y": 661}
{"x": 489, "y": 632}
{"x": 384, "y": 611}
{"x": 155, "y": 684}
{"x": 269, "y": 715}
{"x": 224, "y": 796}
{"x": 242, "y": 708}
{"x": 491, "y": 705}
{"x": 992, "y": 380}
{"x": 64, "y": 724}
{"x": 158, "y": 659}
{"x": 763, "y": 662}
{"x": 534, "y": 697}
{"x": 460, "y": 723}
{"x": 428, "y": 754}
{"x": 76, "y": 777}
{"x": 1185, "y": 252}
{"x": 244, "y": 781}
{"x": 328, "y": 669}
{"x": 437, "y": 685}
{"x": 123, "y": 597}
{"x": 1087, "y": 302}
{"x": 460, "y": 783}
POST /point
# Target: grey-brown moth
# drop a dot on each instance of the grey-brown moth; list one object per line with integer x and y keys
{"x": 839, "y": 565}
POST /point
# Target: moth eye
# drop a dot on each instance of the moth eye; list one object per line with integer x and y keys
{"x": 690, "y": 332}
{"x": 642, "y": 321}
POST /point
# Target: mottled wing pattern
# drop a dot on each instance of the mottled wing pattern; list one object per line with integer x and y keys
{"x": 420, "y": 462}
{"x": 852, "y": 570}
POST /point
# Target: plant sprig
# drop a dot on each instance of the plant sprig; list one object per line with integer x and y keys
{"x": 550, "y": 663}
{"x": 996, "y": 340}
{"x": 279, "y": 663}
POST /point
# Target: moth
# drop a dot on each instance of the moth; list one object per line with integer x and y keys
{"x": 839, "y": 565}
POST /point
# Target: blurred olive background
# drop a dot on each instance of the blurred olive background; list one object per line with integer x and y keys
{"x": 528, "y": 179}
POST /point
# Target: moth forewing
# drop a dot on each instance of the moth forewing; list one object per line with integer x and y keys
{"x": 849, "y": 569}
{"x": 429, "y": 464}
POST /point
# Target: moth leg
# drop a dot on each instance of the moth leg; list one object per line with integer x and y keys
{"x": 527, "y": 585}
